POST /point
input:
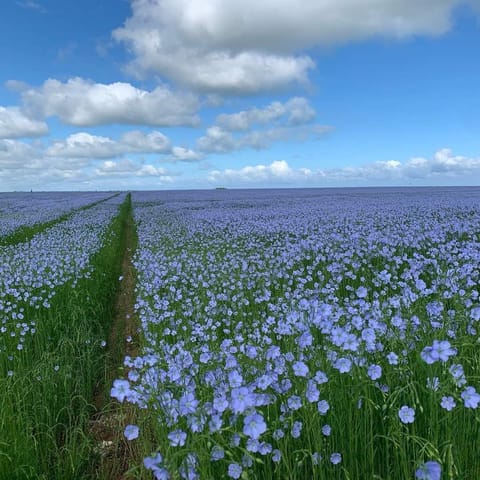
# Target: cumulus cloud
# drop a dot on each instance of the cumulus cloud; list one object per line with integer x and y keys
{"x": 24, "y": 165}
{"x": 218, "y": 140}
{"x": 16, "y": 124}
{"x": 81, "y": 102}
{"x": 186, "y": 154}
{"x": 277, "y": 171}
{"x": 247, "y": 46}
{"x": 14, "y": 153}
{"x": 444, "y": 164}
{"x": 153, "y": 142}
{"x": 277, "y": 122}
{"x": 85, "y": 145}
{"x": 127, "y": 168}
{"x": 296, "y": 111}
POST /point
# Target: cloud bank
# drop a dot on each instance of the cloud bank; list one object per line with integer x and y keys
{"x": 444, "y": 164}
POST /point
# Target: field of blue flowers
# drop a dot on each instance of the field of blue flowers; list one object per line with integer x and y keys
{"x": 282, "y": 334}
{"x": 19, "y": 210}
{"x": 306, "y": 334}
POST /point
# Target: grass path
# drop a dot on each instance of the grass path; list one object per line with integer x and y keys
{"x": 114, "y": 454}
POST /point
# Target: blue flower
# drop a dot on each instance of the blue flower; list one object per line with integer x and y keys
{"x": 343, "y": 365}
{"x": 428, "y": 356}
{"x": 374, "y": 372}
{"x": 429, "y": 471}
{"x": 296, "y": 429}
{"x": 470, "y": 397}
{"x": 242, "y": 399}
{"x": 300, "y": 369}
{"x": 276, "y": 455}
{"x": 458, "y": 374}
{"x": 254, "y": 425}
{"x": 448, "y": 403}
{"x": 234, "y": 470}
{"x": 294, "y": 402}
{"x": 361, "y": 292}
{"x": 253, "y": 445}
{"x": 177, "y": 438}
{"x": 247, "y": 460}
{"x": 406, "y": 414}
{"x": 278, "y": 434}
{"x": 336, "y": 458}
{"x": 217, "y": 453}
{"x": 153, "y": 464}
{"x": 392, "y": 358}
{"x": 120, "y": 389}
{"x": 187, "y": 404}
{"x": 323, "y": 407}
{"x": 131, "y": 432}
{"x": 320, "y": 377}
{"x": 442, "y": 350}
{"x": 312, "y": 392}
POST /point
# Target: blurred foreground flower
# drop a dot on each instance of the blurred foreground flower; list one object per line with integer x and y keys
{"x": 429, "y": 471}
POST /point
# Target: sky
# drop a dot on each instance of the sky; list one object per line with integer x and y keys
{"x": 194, "y": 94}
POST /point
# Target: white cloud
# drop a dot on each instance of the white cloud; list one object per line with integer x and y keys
{"x": 296, "y": 111}
{"x": 24, "y": 166}
{"x": 127, "y": 168}
{"x": 153, "y": 142}
{"x": 246, "y": 46}
{"x": 186, "y": 154}
{"x": 75, "y": 159}
{"x": 443, "y": 165}
{"x": 277, "y": 171}
{"x": 218, "y": 140}
{"x": 14, "y": 153}
{"x": 81, "y": 102}
{"x": 276, "y": 122}
{"x": 85, "y": 145}
{"x": 16, "y": 124}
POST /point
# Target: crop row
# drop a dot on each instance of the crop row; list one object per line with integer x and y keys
{"x": 23, "y": 210}
{"x": 56, "y": 295}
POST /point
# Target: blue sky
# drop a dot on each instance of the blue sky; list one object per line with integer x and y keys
{"x": 156, "y": 94}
